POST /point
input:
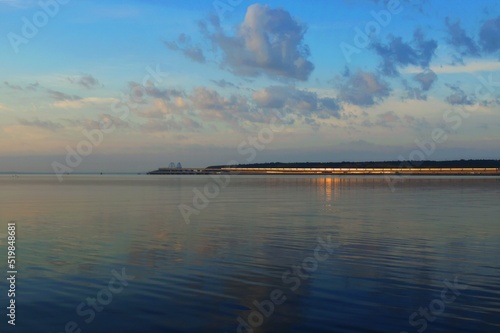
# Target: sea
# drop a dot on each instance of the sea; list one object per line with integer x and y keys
{"x": 248, "y": 254}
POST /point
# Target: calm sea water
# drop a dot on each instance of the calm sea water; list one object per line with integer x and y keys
{"x": 263, "y": 254}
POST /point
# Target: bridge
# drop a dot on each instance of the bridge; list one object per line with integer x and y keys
{"x": 327, "y": 171}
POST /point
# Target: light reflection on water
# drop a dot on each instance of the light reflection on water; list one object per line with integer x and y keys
{"x": 396, "y": 250}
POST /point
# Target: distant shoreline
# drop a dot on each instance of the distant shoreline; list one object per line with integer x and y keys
{"x": 457, "y": 167}
{"x": 473, "y": 163}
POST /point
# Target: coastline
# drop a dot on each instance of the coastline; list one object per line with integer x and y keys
{"x": 330, "y": 171}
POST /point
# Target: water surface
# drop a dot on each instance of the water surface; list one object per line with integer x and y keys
{"x": 392, "y": 254}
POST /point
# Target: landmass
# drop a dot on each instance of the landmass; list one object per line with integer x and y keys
{"x": 373, "y": 164}
{"x": 453, "y": 167}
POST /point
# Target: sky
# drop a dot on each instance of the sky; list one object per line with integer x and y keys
{"x": 130, "y": 86}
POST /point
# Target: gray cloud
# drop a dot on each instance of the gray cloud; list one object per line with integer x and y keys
{"x": 426, "y": 79}
{"x": 425, "y": 48}
{"x": 281, "y": 96}
{"x": 363, "y": 89}
{"x": 12, "y": 86}
{"x": 269, "y": 42}
{"x": 489, "y": 36}
{"x": 207, "y": 99}
{"x": 413, "y": 92}
{"x": 388, "y": 119}
{"x": 60, "y": 96}
{"x": 139, "y": 93}
{"x": 184, "y": 45}
{"x": 300, "y": 102}
{"x": 212, "y": 106}
{"x": 202, "y": 102}
{"x": 239, "y": 111}
{"x": 458, "y": 38}
{"x": 153, "y": 102}
{"x": 29, "y": 87}
{"x": 224, "y": 84}
{"x": 458, "y": 97}
{"x": 331, "y": 105}
{"x": 45, "y": 124}
{"x": 397, "y": 53}
{"x": 86, "y": 81}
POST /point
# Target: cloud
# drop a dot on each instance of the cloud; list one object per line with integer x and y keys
{"x": 167, "y": 94}
{"x": 139, "y": 93}
{"x": 210, "y": 106}
{"x": 29, "y": 87}
{"x": 413, "y": 92}
{"x": 224, "y": 84}
{"x": 170, "y": 125}
{"x": 116, "y": 121}
{"x": 426, "y": 79}
{"x": 274, "y": 97}
{"x": 202, "y": 103}
{"x": 184, "y": 45}
{"x": 418, "y": 124}
{"x": 84, "y": 102}
{"x": 363, "y": 89}
{"x": 388, "y": 119}
{"x": 458, "y": 97}
{"x": 489, "y": 36}
{"x": 86, "y": 81}
{"x": 60, "y": 96}
{"x": 97, "y": 124}
{"x": 207, "y": 99}
{"x": 13, "y": 87}
{"x": 470, "y": 67}
{"x": 268, "y": 42}
{"x": 458, "y": 38}
{"x": 158, "y": 109}
{"x": 235, "y": 109}
{"x": 396, "y": 53}
{"x": 332, "y": 105}
{"x": 48, "y": 125}
{"x": 299, "y": 102}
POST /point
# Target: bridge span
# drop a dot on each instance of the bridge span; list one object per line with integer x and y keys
{"x": 328, "y": 171}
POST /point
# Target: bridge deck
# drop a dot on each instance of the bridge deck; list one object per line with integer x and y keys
{"x": 330, "y": 171}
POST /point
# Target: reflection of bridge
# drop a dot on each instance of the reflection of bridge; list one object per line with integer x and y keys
{"x": 328, "y": 171}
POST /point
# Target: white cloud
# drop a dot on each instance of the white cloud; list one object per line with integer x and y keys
{"x": 268, "y": 41}
{"x": 470, "y": 67}
{"x": 84, "y": 102}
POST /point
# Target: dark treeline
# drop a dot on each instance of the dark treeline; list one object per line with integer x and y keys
{"x": 372, "y": 164}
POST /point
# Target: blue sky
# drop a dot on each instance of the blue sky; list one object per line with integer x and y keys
{"x": 134, "y": 85}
